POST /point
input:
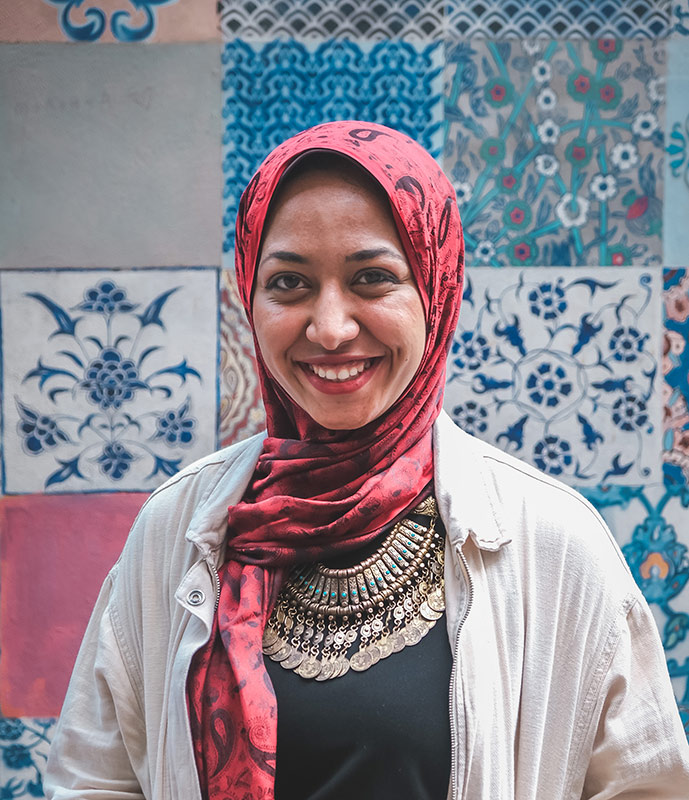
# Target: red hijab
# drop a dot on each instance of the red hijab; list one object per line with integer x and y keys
{"x": 316, "y": 492}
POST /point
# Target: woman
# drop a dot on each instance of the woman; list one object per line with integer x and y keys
{"x": 293, "y": 649}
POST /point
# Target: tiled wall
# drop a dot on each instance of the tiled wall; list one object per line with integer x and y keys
{"x": 129, "y": 131}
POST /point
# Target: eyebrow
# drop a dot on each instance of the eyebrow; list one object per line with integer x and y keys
{"x": 361, "y": 255}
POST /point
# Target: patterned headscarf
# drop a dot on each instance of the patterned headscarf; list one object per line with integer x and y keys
{"x": 316, "y": 492}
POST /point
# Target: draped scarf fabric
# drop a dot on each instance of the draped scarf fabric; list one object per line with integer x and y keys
{"x": 317, "y": 492}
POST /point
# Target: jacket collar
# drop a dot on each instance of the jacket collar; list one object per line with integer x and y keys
{"x": 466, "y": 499}
{"x": 464, "y": 489}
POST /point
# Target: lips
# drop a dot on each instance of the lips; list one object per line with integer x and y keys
{"x": 336, "y": 375}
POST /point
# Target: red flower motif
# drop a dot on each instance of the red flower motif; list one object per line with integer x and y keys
{"x": 607, "y": 93}
{"x": 498, "y": 93}
{"x": 509, "y": 181}
{"x": 638, "y": 207}
{"x": 578, "y": 153}
{"x": 582, "y": 84}
{"x": 606, "y": 45}
{"x": 618, "y": 259}
{"x": 522, "y": 251}
{"x": 517, "y": 216}
{"x": 493, "y": 150}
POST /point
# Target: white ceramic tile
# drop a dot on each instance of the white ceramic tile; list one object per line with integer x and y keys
{"x": 109, "y": 378}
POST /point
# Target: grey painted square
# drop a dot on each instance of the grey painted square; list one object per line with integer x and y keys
{"x": 109, "y": 156}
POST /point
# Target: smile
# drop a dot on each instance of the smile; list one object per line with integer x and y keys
{"x": 341, "y": 372}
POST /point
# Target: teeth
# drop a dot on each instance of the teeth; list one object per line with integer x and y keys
{"x": 341, "y": 374}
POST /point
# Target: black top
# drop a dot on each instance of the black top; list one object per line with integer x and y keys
{"x": 382, "y": 733}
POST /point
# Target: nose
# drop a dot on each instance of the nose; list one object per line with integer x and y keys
{"x": 332, "y": 322}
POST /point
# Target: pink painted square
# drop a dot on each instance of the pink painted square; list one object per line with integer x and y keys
{"x": 55, "y": 552}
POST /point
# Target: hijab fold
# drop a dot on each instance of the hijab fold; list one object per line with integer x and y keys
{"x": 316, "y": 492}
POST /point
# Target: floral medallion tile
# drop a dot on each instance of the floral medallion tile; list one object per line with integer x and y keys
{"x": 274, "y": 90}
{"x": 326, "y": 19}
{"x": 676, "y": 231}
{"x": 108, "y": 21}
{"x": 70, "y": 541}
{"x": 109, "y": 378}
{"x": 241, "y": 407}
{"x": 676, "y": 374}
{"x": 24, "y": 745}
{"x": 555, "y": 149}
{"x": 650, "y": 525}
{"x": 559, "y": 367}
{"x": 566, "y": 18}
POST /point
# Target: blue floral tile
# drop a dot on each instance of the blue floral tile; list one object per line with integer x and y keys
{"x": 566, "y": 18}
{"x": 109, "y": 379}
{"x": 272, "y": 91}
{"x": 649, "y": 523}
{"x": 676, "y": 231}
{"x": 679, "y": 20}
{"x": 559, "y": 367}
{"x": 327, "y": 19}
{"x": 555, "y": 149}
{"x": 676, "y": 379}
{"x": 24, "y": 745}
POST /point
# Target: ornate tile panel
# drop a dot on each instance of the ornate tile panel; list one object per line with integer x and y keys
{"x": 585, "y": 19}
{"x": 274, "y": 90}
{"x": 24, "y": 745}
{"x": 676, "y": 374}
{"x": 109, "y": 378}
{"x": 108, "y": 21}
{"x": 680, "y": 18}
{"x": 109, "y": 155}
{"x": 559, "y": 367}
{"x": 55, "y": 552}
{"x": 241, "y": 407}
{"x": 555, "y": 149}
{"x": 325, "y": 19}
{"x": 675, "y": 211}
{"x": 650, "y": 525}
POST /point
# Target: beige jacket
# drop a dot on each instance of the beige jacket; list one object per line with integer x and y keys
{"x": 559, "y": 689}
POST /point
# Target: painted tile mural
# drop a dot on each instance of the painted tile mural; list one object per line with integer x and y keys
{"x": 55, "y": 552}
{"x": 677, "y": 158}
{"x": 324, "y": 19}
{"x": 559, "y": 368}
{"x": 567, "y": 18}
{"x": 116, "y": 387}
{"x": 272, "y": 91}
{"x": 650, "y": 525}
{"x": 555, "y": 150}
{"x": 241, "y": 409}
{"x": 129, "y": 21}
{"x": 24, "y": 744}
{"x": 676, "y": 374}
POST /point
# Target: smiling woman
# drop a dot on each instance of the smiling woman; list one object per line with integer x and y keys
{"x": 288, "y": 646}
{"x": 339, "y": 320}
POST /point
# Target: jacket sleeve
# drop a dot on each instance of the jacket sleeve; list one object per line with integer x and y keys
{"x": 100, "y": 739}
{"x": 640, "y": 751}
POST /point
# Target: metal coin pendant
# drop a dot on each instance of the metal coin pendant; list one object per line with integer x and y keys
{"x": 361, "y": 661}
{"x": 308, "y": 668}
{"x": 428, "y": 613}
{"x": 282, "y": 653}
{"x": 412, "y": 634}
{"x": 374, "y": 652}
{"x": 274, "y": 648}
{"x": 327, "y": 668}
{"x": 293, "y": 660}
{"x": 344, "y": 666}
{"x": 270, "y": 636}
{"x": 385, "y": 647}
{"x": 436, "y": 600}
{"x": 397, "y": 641}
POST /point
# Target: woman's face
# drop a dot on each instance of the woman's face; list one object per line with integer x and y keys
{"x": 338, "y": 318}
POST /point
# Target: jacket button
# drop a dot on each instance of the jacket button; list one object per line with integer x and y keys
{"x": 195, "y": 597}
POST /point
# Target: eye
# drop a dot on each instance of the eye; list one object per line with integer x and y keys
{"x": 286, "y": 282}
{"x": 375, "y": 277}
